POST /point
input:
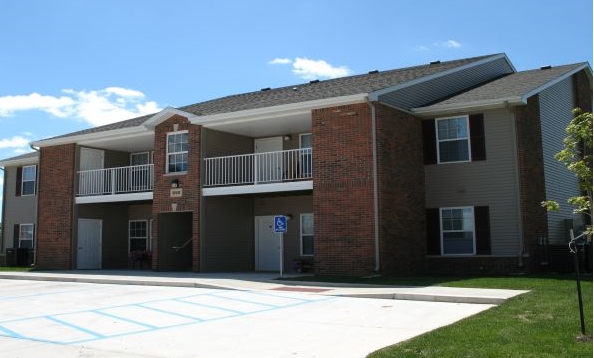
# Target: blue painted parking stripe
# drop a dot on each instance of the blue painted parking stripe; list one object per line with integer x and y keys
{"x": 247, "y": 301}
{"x": 99, "y": 311}
{"x": 76, "y": 327}
{"x": 10, "y": 333}
{"x": 209, "y": 306}
{"x": 171, "y": 313}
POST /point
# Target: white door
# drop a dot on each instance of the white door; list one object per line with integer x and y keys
{"x": 267, "y": 245}
{"x": 89, "y": 244}
{"x": 269, "y": 164}
{"x": 91, "y": 182}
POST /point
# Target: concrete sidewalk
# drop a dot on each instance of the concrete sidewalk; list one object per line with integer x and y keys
{"x": 269, "y": 281}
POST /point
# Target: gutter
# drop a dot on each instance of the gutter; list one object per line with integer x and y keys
{"x": 3, "y": 222}
{"x": 375, "y": 186}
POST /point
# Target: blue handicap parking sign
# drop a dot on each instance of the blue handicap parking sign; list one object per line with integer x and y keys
{"x": 280, "y": 224}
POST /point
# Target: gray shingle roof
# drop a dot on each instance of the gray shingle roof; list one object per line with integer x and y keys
{"x": 31, "y": 155}
{"x": 513, "y": 85}
{"x": 343, "y": 86}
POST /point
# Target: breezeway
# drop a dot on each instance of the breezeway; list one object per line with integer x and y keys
{"x": 66, "y": 319}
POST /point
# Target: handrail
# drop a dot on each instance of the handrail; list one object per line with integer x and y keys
{"x": 178, "y": 248}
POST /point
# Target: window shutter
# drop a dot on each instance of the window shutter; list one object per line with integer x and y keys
{"x": 19, "y": 181}
{"x": 429, "y": 142}
{"x": 477, "y": 137}
{"x": 433, "y": 232}
{"x": 16, "y": 234}
{"x": 36, "y": 185}
{"x": 482, "y": 228}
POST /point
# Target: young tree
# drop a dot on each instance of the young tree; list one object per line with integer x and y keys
{"x": 577, "y": 157}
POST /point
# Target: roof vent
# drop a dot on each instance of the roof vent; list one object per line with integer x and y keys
{"x": 548, "y": 67}
{"x": 435, "y": 62}
{"x": 314, "y": 81}
{"x": 265, "y": 89}
{"x": 372, "y": 72}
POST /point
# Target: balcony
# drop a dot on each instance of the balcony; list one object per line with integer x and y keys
{"x": 120, "y": 184}
{"x": 258, "y": 172}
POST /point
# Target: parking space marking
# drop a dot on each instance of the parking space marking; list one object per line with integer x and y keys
{"x": 146, "y": 316}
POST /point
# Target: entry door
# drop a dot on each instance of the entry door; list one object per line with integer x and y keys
{"x": 267, "y": 244}
{"x": 89, "y": 244}
{"x": 91, "y": 182}
{"x": 269, "y": 166}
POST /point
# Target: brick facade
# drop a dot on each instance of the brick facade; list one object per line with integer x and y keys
{"x": 343, "y": 190}
{"x": 189, "y": 182}
{"x": 56, "y": 207}
{"x": 532, "y": 183}
{"x": 401, "y": 192}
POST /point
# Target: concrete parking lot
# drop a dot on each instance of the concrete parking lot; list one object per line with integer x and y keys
{"x": 70, "y": 319}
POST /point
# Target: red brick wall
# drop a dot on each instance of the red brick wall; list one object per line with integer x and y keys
{"x": 532, "y": 184}
{"x": 401, "y": 192}
{"x": 343, "y": 190}
{"x": 189, "y": 182}
{"x": 55, "y": 207}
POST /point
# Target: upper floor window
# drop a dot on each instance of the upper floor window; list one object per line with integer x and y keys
{"x": 177, "y": 152}
{"x": 26, "y": 180}
{"x": 453, "y": 139}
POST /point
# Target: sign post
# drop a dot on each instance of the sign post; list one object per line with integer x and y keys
{"x": 280, "y": 227}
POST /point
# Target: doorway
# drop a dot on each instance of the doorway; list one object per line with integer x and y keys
{"x": 175, "y": 241}
{"x": 269, "y": 164}
{"x": 267, "y": 244}
{"x": 89, "y": 244}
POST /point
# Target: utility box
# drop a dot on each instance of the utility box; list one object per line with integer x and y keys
{"x": 11, "y": 259}
{"x": 22, "y": 256}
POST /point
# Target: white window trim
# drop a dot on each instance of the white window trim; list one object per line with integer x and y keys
{"x": 441, "y": 230}
{"x": 23, "y": 180}
{"x": 138, "y": 237}
{"x": 32, "y": 239}
{"x": 467, "y": 117}
{"x": 167, "y": 154}
{"x": 301, "y": 236}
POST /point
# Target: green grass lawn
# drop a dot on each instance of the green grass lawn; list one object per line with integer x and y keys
{"x": 542, "y": 323}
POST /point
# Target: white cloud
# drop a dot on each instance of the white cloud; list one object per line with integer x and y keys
{"x": 312, "y": 69}
{"x": 14, "y": 142}
{"x": 280, "y": 61}
{"x": 422, "y": 48}
{"x": 96, "y": 107}
{"x": 448, "y": 43}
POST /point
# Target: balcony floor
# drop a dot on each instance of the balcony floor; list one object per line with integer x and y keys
{"x": 258, "y": 188}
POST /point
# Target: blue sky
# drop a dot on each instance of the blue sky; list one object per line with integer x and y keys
{"x": 66, "y": 65}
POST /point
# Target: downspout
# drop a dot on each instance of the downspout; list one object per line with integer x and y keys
{"x": 375, "y": 186}
{"x": 3, "y": 222}
{"x": 517, "y": 186}
{"x": 36, "y": 227}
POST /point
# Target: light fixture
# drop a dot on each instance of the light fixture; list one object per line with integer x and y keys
{"x": 287, "y": 137}
{"x": 175, "y": 183}
{"x": 289, "y": 216}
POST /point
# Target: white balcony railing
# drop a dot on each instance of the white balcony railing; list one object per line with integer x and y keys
{"x": 111, "y": 181}
{"x": 258, "y": 168}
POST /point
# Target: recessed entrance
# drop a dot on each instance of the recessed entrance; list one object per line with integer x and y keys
{"x": 175, "y": 241}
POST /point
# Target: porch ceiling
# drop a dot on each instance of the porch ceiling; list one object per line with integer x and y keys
{"x": 138, "y": 142}
{"x": 267, "y": 126}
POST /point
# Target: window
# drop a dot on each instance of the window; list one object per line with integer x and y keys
{"x": 453, "y": 139}
{"x": 307, "y": 235}
{"x": 177, "y": 152}
{"x": 27, "y": 176}
{"x": 141, "y": 177}
{"x": 457, "y": 231}
{"x": 25, "y": 235}
{"x": 137, "y": 235}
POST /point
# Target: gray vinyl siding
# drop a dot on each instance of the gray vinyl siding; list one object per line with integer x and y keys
{"x": 427, "y": 92}
{"x": 492, "y": 182}
{"x": 556, "y": 103}
{"x": 217, "y": 144}
{"x": 18, "y": 209}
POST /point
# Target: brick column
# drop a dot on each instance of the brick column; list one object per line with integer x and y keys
{"x": 55, "y": 207}
{"x": 343, "y": 190}
{"x": 189, "y": 182}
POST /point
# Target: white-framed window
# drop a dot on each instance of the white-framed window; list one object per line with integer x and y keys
{"x": 307, "y": 234}
{"x": 177, "y": 152}
{"x": 138, "y": 235}
{"x": 453, "y": 139}
{"x": 457, "y": 231}
{"x": 28, "y": 180}
{"x": 305, "y": 158}
{"x": 26, "y": 235}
